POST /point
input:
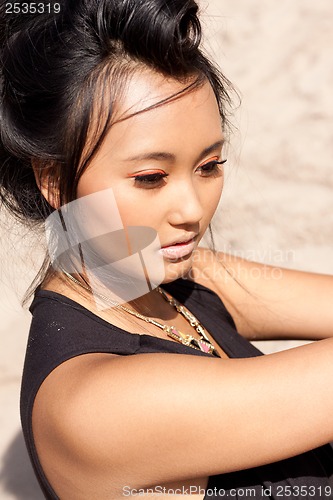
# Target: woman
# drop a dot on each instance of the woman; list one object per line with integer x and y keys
{"x": 113, "y": 124}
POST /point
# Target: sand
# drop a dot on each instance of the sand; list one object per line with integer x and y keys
{"x": 277, "y": 206}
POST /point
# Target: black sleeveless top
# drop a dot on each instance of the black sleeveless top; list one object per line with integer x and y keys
{"x": 62, "y": 329}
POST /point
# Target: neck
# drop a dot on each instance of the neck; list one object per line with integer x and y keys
{"x": 151, "y": 304}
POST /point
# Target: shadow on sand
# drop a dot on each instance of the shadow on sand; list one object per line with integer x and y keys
{"x": 17, "y": 476}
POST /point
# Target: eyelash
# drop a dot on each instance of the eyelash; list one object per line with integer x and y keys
{"x": 153, "y": 180}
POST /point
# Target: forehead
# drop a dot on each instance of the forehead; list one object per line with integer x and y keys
{"x": 148, "y": 91}
{"x": 141, "y": 122}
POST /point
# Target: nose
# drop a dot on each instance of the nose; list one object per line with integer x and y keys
{"x": 185, "y": 205}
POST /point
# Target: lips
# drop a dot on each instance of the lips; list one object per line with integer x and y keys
{"x": 179, "y": 249}
{"x": 181, "y": 241}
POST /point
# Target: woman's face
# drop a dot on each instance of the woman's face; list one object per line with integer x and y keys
{"x": 160, "y": 165}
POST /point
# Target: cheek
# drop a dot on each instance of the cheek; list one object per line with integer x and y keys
{"x": 89, "y": 184}
{"x": 137, "y": 208}
{"x": 211, "y": 197}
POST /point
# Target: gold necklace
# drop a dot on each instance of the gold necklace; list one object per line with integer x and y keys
{"x": 202, "y": 344}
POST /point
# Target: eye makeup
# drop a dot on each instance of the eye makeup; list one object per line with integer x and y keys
{"x": 211, "y": 167}
{"x": 151, "y": 179}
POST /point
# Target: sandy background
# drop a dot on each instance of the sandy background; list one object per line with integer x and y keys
{"x": 277, "y": 206}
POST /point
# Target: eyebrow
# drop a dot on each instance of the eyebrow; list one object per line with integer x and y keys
{"x": 164, "y": 156}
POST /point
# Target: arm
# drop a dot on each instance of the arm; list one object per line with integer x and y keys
{"x": 155, "y": 418}
{"x": 269, "y": 302}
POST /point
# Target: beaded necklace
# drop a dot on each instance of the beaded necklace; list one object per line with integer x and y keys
{"x": 202, "y": 344}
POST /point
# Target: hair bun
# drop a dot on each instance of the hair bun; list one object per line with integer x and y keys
{"x": 162, "y": 32}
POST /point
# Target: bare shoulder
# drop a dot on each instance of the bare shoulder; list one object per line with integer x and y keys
{"x": 254, "y": 293}
{"x": 267, "y": 301}
{"x": 222, "y": 273}
{"x": 218, "y": 270}
{"x": 98, "y": 413}
{"x": 102, "y": 422}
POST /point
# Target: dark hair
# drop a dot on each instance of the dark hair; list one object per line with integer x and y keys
{"x": 52, "y": 66}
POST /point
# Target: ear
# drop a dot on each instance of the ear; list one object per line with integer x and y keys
{"x": 47, "y": 182}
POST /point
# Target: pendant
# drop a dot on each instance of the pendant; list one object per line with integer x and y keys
{"x": 175, "y": 334}
{"x": 203, "y": 344}
{"x": 182, "y": 338}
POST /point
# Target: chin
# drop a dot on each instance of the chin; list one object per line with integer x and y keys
{"x": 179, "y": 268}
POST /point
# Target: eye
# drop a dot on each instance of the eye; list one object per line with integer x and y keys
{"x": 150, "y": 180}
{"x": 211, "y": 168}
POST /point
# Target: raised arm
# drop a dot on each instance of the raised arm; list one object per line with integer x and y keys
{"x": 150, "y": 419}
{"x": 269, "y": 302}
